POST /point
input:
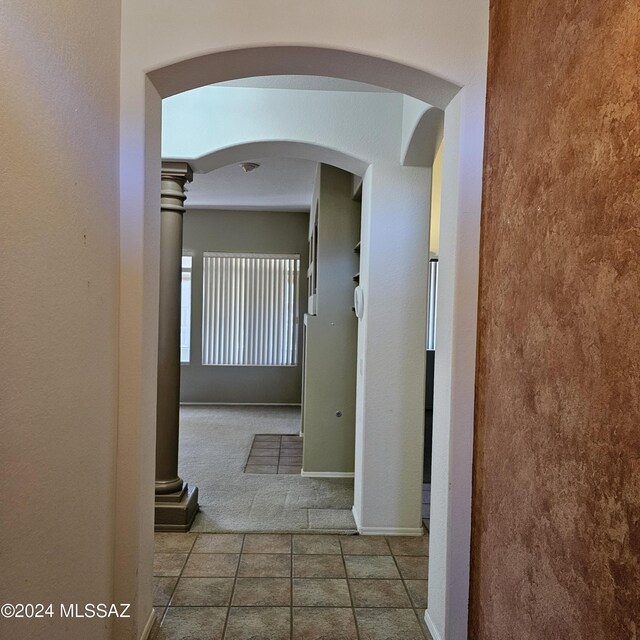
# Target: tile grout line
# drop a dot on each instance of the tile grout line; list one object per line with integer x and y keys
{"x": 175, "y": 586}
{"x": 404, "y": 584}
{"x": 233, "y": 587}
{"x": 173, "y": 591}
{"x": 291, "y": 587}
{"x": 346, "y": 577}
{"x": 281, "y": 450}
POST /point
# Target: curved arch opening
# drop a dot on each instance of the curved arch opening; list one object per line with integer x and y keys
{"x": 221, "y": 66}
{"x": 425, "y": 139}
{"x": 278, "y": 149}
{"x": 464, "y": 130}
{"x": 402, "y": 81}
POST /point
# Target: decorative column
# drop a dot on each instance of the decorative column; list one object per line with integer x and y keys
{"x": 176, "y": 501}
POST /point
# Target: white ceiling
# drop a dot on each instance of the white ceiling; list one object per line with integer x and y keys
{"x": 278, "y": 183}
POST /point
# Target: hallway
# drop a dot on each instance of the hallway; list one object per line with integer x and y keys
{"x": 289, "y": 587}
{"x": 214, "y": 446}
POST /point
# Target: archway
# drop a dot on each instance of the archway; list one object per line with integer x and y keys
{"x": 322, "y": 488}
{"x": 279, "y": 149}
{"x": 211, "y": 118}
{"x": 453, "y": 410}
{"x": 234, "y": 64}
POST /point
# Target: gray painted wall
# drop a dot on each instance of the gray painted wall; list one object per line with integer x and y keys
{"x": 331, "y": 334}
{"x": 242, "y": 232}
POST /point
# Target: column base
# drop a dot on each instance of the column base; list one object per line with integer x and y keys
{"x": 176, "y": 511}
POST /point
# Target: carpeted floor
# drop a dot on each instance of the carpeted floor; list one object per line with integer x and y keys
{"x": 214, "y": 444}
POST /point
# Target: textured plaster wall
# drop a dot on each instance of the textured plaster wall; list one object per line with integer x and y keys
{"x": 59, "y": 110}
{"x": 556, "y": 518}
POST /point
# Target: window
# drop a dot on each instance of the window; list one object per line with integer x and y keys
{"x": 250, "y": 309}
{"x": 185, "y": 310}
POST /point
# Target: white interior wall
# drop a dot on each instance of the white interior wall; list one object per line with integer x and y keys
{"x": 197, "y": 124}
{"x": 138, "y": 359}
{"x": 450, "y": 521}
{"x": 58, "y": 317}
{"x": 390, "y": 378}
{"x": 436, "y": 48}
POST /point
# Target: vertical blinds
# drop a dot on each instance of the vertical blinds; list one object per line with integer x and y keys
{"x": 185, "y": 310}
{"x": 250, "y": 309}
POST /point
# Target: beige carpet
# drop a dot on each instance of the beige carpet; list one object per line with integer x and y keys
{"x": 214, "y": 444}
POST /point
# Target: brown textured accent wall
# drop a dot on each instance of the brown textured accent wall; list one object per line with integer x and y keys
{"x": 556, "y": 510}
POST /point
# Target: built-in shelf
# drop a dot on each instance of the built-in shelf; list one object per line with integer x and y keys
{"x": 356, "y": 278}
{"x": 356, "y": 249}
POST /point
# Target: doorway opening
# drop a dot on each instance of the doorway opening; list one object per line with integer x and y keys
{"x": 371, "y": 446}
{"x": 199, "y": 126}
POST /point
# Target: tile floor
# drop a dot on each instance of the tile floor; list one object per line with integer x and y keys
{"x": 275, "y": 453}
{"x": 289, "y": 587}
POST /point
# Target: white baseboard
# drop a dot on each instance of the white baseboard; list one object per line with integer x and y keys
{"x": 327, "y": 474}
{"x": 356, "y": 518}
{"x": 435, "y": 634}
{"x": 391, "y": 531}
{"x": 240, "y": 404}
{"x": 146, "y": 632}
{"x": 385, "y": 531}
